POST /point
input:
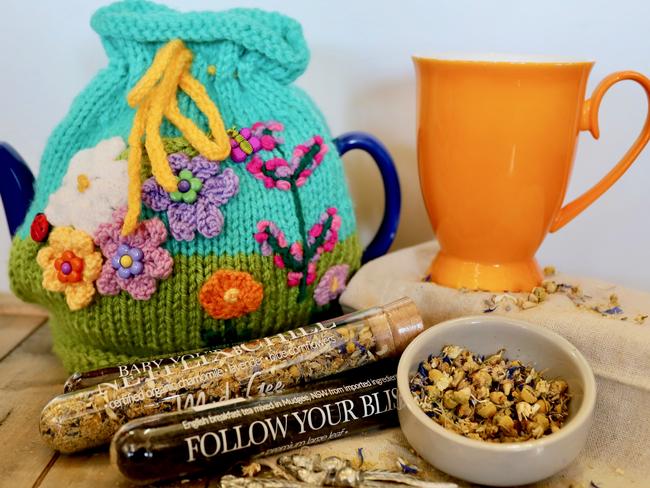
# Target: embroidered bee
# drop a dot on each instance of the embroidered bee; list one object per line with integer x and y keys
{"x": 243, "y": 143}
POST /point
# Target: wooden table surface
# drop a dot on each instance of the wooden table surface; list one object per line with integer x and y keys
{"x": 30, "y": 376}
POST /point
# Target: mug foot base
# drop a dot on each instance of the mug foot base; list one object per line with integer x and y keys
{"x": 453, "y": 272}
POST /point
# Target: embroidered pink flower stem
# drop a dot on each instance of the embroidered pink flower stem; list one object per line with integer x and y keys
{"x": 289, "y": 175}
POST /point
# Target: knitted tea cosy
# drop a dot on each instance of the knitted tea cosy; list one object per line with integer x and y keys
{"x": 192, "y": 195}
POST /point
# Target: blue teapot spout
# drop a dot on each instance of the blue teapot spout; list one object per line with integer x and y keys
{"x": 16, "y": 186}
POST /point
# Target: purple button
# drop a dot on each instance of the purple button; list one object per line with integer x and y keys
{"x": 183, "y": 186}
{"x": 136, "y": 254}
{"x": 123, "y": 249}
{"x": 66, "y": 268}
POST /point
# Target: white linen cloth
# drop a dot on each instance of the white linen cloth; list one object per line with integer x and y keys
{"x": 617, "y": 453}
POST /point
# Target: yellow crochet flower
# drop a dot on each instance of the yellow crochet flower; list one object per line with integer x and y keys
{"x": 70, "y": 265}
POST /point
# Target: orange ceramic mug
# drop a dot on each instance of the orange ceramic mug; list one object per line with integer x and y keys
{"x": 496, "y": 141}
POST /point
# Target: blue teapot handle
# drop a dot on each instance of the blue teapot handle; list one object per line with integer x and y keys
{"x": 16, "y": 186}
{"x": 392, "y": 194}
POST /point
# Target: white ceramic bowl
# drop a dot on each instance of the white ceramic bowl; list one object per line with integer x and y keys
{"x": 491, "y": 463}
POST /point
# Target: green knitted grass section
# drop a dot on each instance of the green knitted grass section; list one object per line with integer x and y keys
{"x": 120, "y": 329}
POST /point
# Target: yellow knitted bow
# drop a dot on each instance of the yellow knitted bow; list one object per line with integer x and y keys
{"x": 155, "y": 96}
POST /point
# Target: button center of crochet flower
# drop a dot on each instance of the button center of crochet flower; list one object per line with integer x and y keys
{"x": 69, "y": 267}
{"x": 334, "y": 285}
{"x": 83, "y": 183}
{"x": 127, "y": 261}
{"x": 187, "y": 188}
{"x": 231, "y": 295}
{"x": 183, "y": 186}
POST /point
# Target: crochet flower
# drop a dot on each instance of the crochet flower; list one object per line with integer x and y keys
{"x": 281, "y": 174}
{"x": 332, "y": 284}
{"x": 202, "y": 188}
{"x": 135, "y": 262}
{"x": 242, "y": 144}
{"x": 94, "y": 186}
{"x": 70, "y": 265}
{"x": 228, "y": 294}
{"x": 268, "y": 134}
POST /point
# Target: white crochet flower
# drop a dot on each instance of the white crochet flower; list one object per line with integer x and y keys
{"x": 92, "y": 189}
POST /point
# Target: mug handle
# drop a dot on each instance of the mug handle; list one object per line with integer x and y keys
{"x": 589, "y": 121}
{"x": 392, "y": 194}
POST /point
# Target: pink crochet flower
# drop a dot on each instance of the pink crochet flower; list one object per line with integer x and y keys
{"x": 332, "y": 284}
{"x": 135, "y": 262}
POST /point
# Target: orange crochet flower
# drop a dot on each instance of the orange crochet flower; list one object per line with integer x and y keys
{"x": 70, "y": 265}
{"x": 228, "y": 294}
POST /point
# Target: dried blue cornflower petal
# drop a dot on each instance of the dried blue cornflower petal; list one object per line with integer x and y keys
{"x": 422, "y": 371}
{"x": 360, "y": 456}
{"x": 614, "y": 311}
{"x": 406, "y": 468}
{"x": 511, "y": 371}
{"x": 360, "y": 346}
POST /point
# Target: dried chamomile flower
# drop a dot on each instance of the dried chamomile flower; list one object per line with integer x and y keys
{"x": 549, "y": 270}
{"x": 550, "y": 286}
{"x": 251, "y": 469}
{"x": 489, "y": 398}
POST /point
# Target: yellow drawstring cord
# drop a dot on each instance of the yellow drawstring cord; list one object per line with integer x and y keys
{"x": 154, "y": 97}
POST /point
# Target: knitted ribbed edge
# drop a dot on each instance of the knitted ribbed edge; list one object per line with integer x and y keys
{"x": 277, "y": 38}
{"x": 115, "y": 329}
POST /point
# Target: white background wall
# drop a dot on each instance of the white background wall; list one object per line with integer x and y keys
{"x": 362, "y": 78}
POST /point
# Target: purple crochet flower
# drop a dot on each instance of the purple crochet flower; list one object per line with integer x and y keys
{"x": 332, "y": 284}
{"x": 202, "y": 188}
{"x": 135, "y": 262}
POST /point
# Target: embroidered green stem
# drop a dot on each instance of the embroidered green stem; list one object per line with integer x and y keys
{"x": 302, "y": 290}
